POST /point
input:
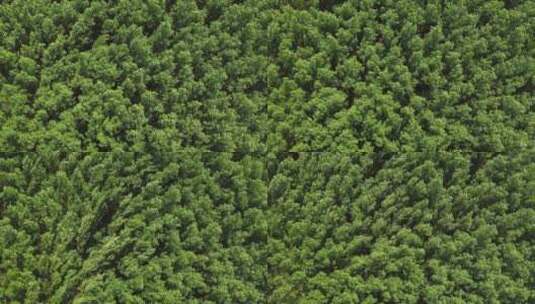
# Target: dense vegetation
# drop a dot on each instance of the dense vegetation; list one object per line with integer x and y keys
{"x": 267, "y": 151}
{"x": 411, "y": 75}
{"x": 314, "y": 228}
{"x": 132, "y": 228}
{"x": 402, "y": 228}
{"x": 129, "y": 75}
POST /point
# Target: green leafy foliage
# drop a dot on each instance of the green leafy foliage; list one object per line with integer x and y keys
{"x": 130, "y": 75}
{"x": 132, "y": 228}
{"x": 401, "y": 76}
{"x": 267, "y": 151}
{"x": 402, "y": 228}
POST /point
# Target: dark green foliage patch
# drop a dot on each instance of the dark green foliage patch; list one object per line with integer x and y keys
{"x": 267, "y": 151}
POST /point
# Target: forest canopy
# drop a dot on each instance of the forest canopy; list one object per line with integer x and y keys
{"x": 267, "y": 151}
{"x": 249, "y": 76}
